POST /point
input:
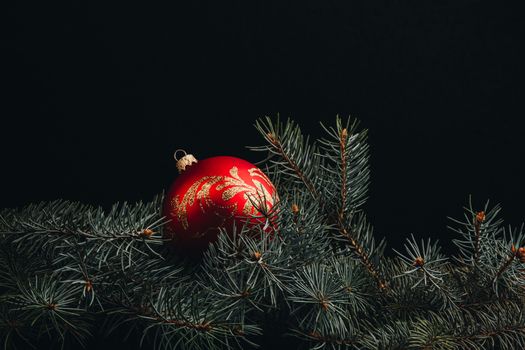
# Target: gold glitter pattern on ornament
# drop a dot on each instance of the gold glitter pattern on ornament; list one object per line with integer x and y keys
{"x": 255, "y": 196}
{"x": 257, "y": 172}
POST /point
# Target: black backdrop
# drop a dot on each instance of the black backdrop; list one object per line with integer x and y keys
{"x": 97, "y": 97}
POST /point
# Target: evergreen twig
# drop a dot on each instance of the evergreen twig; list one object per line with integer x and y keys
{"x": 67, "y": 266}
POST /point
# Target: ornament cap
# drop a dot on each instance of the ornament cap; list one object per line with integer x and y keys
{"x": 186, "y": 160}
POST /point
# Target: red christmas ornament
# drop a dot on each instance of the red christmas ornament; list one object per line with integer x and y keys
{"x": 212, "y": 193}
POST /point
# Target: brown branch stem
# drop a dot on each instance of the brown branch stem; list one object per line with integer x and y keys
{"x": 503, "y": 267}
{"x": 477, "y": 230}
{"x": 342, "y": 149}
{"x": 278, "y": 146}
{"x": 315, "y": 336}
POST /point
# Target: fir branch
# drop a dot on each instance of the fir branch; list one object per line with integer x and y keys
{"x": 126, "y": 231}
{"x": 345, "y": 152}
{"x": 503, "y": 267}
{"x": 498, "y": 323}
{"x": 344, "y": 147}
{"x": 421, "y": 258}
{"x": 286, "y": 145}
{"x": 271, "y": 134}
{"x": 478, "y": 220}
{"x": 279, "y": 147}
{"x": 66, "y": 265}
{"x": 478, "y": 230}
{"x": 48, "y": 306}
{"x": 364, "y": 257}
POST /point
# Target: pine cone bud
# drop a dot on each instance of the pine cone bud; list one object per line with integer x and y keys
{"x": 418, "y": 262}
{"x": 257, "y": 256}
{"x": 147, "y": 232}
{"x": 238, "y": 331}
{"x": 480, "y": 216}
{"x": 344, "y": 133}
{"x": 88, "y": 285}
{"x": 271, "y": 137}
{"x": 521, "y": 254}
{"x": 295, "y": 209}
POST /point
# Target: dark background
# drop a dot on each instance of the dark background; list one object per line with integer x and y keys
{"x": 97, "y": 97}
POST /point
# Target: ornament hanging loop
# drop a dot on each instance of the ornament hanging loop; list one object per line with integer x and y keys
{"x": 177, "y": 151}
{"x": 184, "y": 161}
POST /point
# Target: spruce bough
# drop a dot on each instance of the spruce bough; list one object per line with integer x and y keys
{"x": 71, "y": 272}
